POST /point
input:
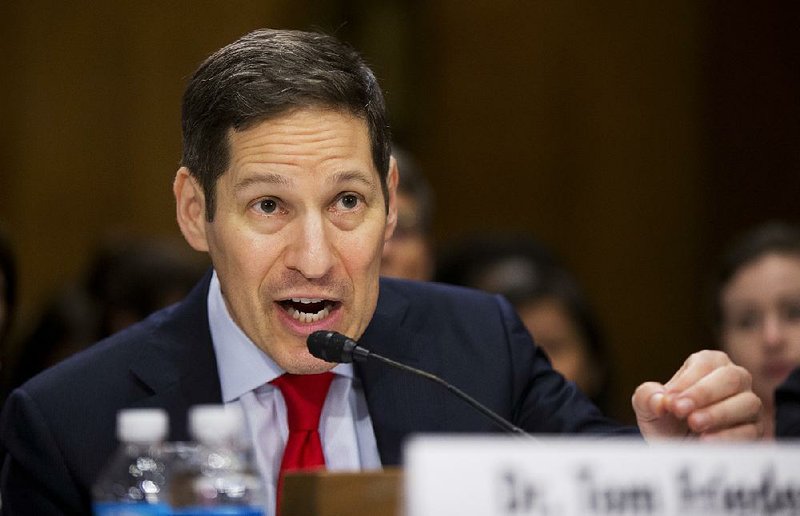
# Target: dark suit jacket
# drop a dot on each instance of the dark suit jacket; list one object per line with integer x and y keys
{"x": 58, "y": 429}
{"x": 787, "y": 407}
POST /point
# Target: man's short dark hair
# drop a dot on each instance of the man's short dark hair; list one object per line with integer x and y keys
{"x": 266, "y": 74}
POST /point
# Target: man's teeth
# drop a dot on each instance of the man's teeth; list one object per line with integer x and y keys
{"x": 305, "y": 301}
{"x": 308, "y": 318}
{"x": 305, "y": 317}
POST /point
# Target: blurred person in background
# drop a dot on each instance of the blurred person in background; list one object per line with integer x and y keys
{"x": 126, "y": 280}
{"x": 547, "y": 298}
{"x": 409, "y": 253}
{"x": 757, "y": 308}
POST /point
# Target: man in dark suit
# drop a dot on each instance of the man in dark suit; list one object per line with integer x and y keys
{"x": 287, "y": 182}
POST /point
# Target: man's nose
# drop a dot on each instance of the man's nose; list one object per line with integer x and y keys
{"x": 310, "y": 251}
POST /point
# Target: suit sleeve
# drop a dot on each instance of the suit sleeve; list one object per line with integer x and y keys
{"x": 787, "y": 407}
{"x": 34, "y": 478}
{"x": 545, "y": 401}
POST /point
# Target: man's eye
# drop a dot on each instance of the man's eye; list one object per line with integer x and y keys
{"x": 268, "y": 206}
{"x": 349, "y": 201}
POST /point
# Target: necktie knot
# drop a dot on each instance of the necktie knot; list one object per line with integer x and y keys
{"x": 304, "y": 395}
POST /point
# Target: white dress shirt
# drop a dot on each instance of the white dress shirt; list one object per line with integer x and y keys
{"x": 348, "y": 440}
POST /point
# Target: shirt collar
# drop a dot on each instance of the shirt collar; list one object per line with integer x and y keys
{"x": 242, "y": 366}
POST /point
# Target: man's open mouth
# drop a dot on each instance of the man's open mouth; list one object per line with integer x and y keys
{"x": 307, "y": 310}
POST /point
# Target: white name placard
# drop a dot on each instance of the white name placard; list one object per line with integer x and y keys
{"x": 578, "y": 477}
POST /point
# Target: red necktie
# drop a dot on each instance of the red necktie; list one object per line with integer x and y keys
{"x": 304, "y": 395}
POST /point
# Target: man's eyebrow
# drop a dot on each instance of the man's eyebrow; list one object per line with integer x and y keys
{"x": 353, "y": 175}
{"x": 266, "y": 178}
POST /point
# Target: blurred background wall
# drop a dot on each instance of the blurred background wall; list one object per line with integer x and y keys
{"x": 634, "y": 138}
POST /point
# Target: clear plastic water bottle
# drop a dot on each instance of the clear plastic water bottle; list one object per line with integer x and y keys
{"x": 220, "y": 478}
{"x": 134, "y": 481}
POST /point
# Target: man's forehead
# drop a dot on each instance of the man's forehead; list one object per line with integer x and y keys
{"x": 281, "y": 150}
{"x": 366, "y": 178}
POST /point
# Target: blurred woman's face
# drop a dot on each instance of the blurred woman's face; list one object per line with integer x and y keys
{"x": 408, "y": 254}
{"x": 761, "y": 320}
{"x": 554, "y": 331}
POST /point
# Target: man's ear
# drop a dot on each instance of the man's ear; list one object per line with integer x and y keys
{"x": 190, "y": 204}
{"x": 392, "y": 178}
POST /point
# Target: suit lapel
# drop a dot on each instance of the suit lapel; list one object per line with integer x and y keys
{"x": 399, "y": 403}
{"x": 177, "y": 364}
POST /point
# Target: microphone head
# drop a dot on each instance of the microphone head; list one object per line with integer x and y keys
{"x": 330, "y": 346}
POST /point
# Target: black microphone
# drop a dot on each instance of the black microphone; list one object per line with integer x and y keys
{"x": 332, "y": 346}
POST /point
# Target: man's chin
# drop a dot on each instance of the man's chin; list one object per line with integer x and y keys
{"x": 306, "y": 364}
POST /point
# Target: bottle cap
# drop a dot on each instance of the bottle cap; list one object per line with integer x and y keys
{"x": 215, "y": 423}
{"x": 142, "y": 425}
